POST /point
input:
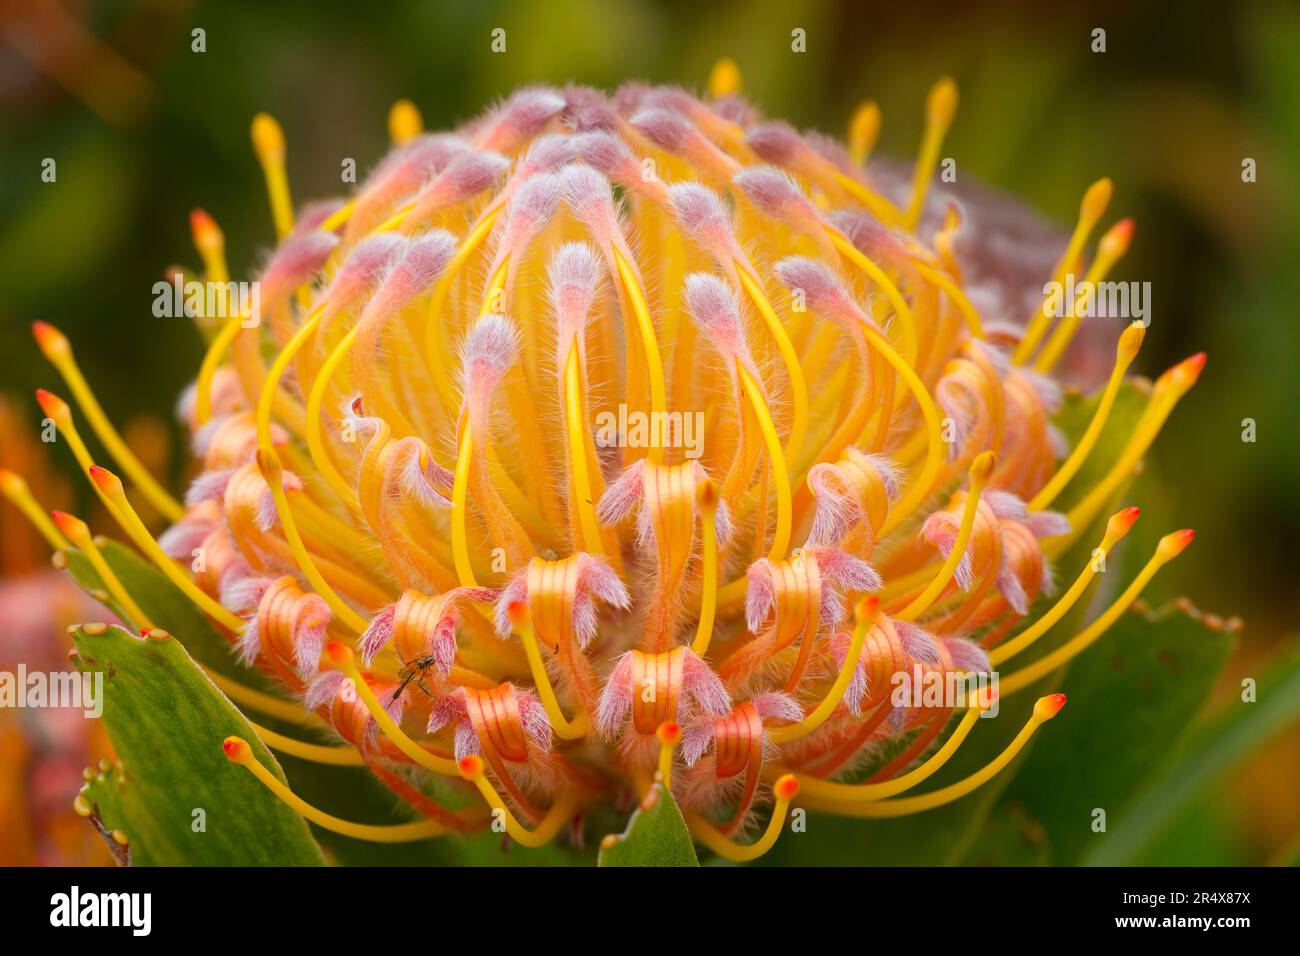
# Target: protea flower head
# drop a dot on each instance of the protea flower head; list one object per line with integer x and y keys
{"x": 614, "y": 439}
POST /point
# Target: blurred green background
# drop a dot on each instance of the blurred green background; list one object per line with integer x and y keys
{"x": 143, "y": 129}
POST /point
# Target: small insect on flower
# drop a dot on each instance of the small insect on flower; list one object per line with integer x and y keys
{"x": 400, "y": 487}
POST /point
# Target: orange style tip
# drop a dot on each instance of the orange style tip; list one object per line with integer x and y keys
{"x": 867, "y": 608}
{"x": 155, "y": 634}
{"x": 1117, "y": 238}
{"x": 707, "y": 495}
{"x": 517, "y": 611}
{"x": 1130, "y": 340}
{"x": 70, "y": 525}
{"x": 1048, "y": 707}
{"x": 669, "y": 732}
{"x": 1121, "y": 521}
{"x": 105, "y": 480}
{"x": 941, "y": 105}
{"x": 1172, "y": 545}
{"x": 470, "y": 766}
{"x": 1192, "y": 365}
{"x": 268, "y": 137}
{"x": 786, "y": 787}
{"x": 205, "y": 230}
{"x": 1096, "y": 199}
{"x": 338, "y": 654}
{"x": 49, "y": 340}
{"x": 12, "y": 483}
{"x": 236, "y": 749}
{"x": 982, "y": 467}
{"x": 53, "y": 406}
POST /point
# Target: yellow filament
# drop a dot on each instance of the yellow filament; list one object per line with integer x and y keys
{"x": 909, "y": 805}
{"x": 866, "y": 792}
{"x": 650, "y": 342}
{"x": 459, "y": 495}
{"x": 563, "y": 727}
{"x": 798, "y": 386}
{"x": 556, "y": 817}
{"x": 86, "y": 544}
{"x": 396, "y": 833}
{"x": 780, "y": 475}
{"x": 140, "y": 534}
{"x": 315, "y": 399}
{"x": 268, "y": 462}
{"x": 14, "y": 487}
{"x": 61, "y": 357}
{"x": 1129, "y": 343}
{"x": 1165, "y": 552}
{"x": 668, "y": 734}
{"x": 1108, "y": 253}
{"x": 878, "y": 205}
{"x": 867, "y": 612}
{"x": 1091, "y": 209}
{"x": 918, "y": 490}
{"x": 217, "y": 349}
{"x": 1162, "y": 403}
{"x": 940, "y": 109}
{"x": 435, "y": 346}
{"x": 719, "y": 843}
{"x": 261, "y": 702}
{"x": 316, "y": 753}
{"x": 339, "y": 217}
{"x": 342, "y": 658}
{"x": 707, "y": 496}
{"x": 268, "y": 144}
{"x": 578, "y": 432}
{"x": 980, "y": 471}
{"x": 943, "y": 281}
{"x": 1116, "y": 528}
{"x": 906, "y": 321}
{"x": 864, "y": 127}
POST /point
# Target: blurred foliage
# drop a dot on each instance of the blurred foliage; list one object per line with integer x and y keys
{"x": 143, "y": 129}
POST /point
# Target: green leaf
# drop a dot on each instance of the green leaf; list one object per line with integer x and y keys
{"x": 1208, "y": 756}
{"x": 166, "y": 721}
{"x": 1129, "y": 699}
{"x": 656, "y": 835}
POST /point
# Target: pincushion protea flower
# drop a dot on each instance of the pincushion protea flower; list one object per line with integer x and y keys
{"x": 411, "y": 514}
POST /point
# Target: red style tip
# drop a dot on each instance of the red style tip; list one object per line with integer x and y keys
{"x": 470, "y": 766}
{"x": 786, "y": 787}
{"x": 669, "y": 732}
{"x": 1172, "y": 545}
{"x": 51, "y": 404}
{"x": 68, "y": 524}
{"x": 49, "y": 339}
{"x": 105, "y": 480}
{"x": 517, "y": 611}
{"x": 206, "y": 233}
{"x": 1048, "y": 707}
{"x": 236, "y": 749}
